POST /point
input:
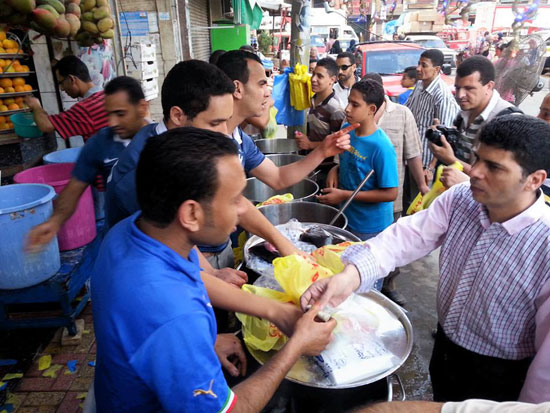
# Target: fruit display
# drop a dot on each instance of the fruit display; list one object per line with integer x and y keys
{"x": 86, "y": 21}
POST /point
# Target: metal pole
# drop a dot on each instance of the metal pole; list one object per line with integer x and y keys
{"x": 299, "y": 42}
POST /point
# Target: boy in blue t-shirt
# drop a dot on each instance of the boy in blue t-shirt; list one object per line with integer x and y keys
{"x": 408, "y": 81}
{"x": 371, "y": 211}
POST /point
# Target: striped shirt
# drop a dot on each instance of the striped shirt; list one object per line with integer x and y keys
{"x": 84, "y": 118}
{"x": 468, "y": 132}
{"x": 325, "y": 118}
{"x": 494, "y": 287}
{"x": 434, "y": 102}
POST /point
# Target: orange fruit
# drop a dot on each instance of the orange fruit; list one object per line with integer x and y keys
{"x": 9, "y": 44}
{"x": 18, "y": 81}
{"x": 2, "y": 36}
{"x": 19, "y": 100}
{"x": 1, "y": 102}
{"x": 2, "y": 120}
{"x": 2, "y": 50}
{"x": 10, "y": 90}
{"x": 1, "y": 91}
{"x": 2, "y": 63}
{"x": 3, "y": 108}
{"x": 24, "y": 69}
{"x": 19, "y": 89}
{"x": 9, "y": 101}
{"x": 27, "y": 88}
{"x": 10, "y": 125}
{"x": 13, "y": 106}
{"x": 5, "y": 82}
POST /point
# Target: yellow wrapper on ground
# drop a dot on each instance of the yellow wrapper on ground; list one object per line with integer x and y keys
{"x": 300, "y": 87}
{"x": 330, "y": 256}
{"x": 277, "y": 199}
{"x": 258, "y": 333}
{"x": 296, "y": 273}
{"x": 424, "y": 201}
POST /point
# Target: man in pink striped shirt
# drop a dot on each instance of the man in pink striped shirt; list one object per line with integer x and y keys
{"x": 493, "y": 303}
{"x": 85, "y": 117}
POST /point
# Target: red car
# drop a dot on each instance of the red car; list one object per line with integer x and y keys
{"x": 390, "y": 59}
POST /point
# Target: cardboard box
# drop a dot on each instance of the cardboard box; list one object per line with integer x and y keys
{"x": 440, "y": 19}
{"x": 425, "y": 26}
{"x": 142, "y": 70}
{"x": 420, "y": 6}
{"x": 427, "y": 15}
{"x": 150, "y": 88}
{"x": 413, "y": 17}
{"x": 438, "y": 28}
{"x": 142, "y": 52}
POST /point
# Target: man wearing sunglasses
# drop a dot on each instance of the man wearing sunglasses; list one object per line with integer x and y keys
{"x": 85, "y": 117}
{"x": 346, "y": 77}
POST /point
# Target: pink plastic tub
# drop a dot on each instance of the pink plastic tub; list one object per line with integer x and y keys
{"x": 80, "y": 229}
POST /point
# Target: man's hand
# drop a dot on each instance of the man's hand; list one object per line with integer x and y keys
{"x": 231, "y": 354}
{"x": 424, "y": 189}
{"x": 231, "y": 276}
{"x": 337, "y": 142}
{"x": 333, "y": 290}
{"x": 332, "y": 196}
{"x": 303, "y": 141}
{"x": 32, "y": 102}
{"x": 332, "y": 177}
{"x": 285, "y": 316}
{"x": 452, "y": 176}
{"x": 444, "y": 153}
{"x": 312, "y": 336}
{"x": 428, "y": 177}
{"x": 40, "y": 236}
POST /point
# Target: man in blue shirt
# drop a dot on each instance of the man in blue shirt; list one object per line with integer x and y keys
{"x": 195, "y": 93}
{"x": 127, "y": 109}
{"x": 153, "y": 320}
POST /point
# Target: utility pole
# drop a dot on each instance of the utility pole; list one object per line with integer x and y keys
{"x": 299, "y": 43}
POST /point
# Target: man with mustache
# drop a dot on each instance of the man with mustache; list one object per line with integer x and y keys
{"x": 493, "y": 300}
{"x": 479, "y": 103}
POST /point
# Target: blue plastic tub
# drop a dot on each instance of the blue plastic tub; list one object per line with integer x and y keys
{"x": 69, "y": 155}
{"x": 22, "y": 207}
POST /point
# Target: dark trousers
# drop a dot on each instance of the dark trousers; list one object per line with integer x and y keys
{"x": 458, "y": 374}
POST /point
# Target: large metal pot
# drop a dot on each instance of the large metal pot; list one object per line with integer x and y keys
{"x": 272, "y": 146}
{"x": 256, "y": 191}
{"x": 303, "y": 212}
{"x": 282, "y": 159}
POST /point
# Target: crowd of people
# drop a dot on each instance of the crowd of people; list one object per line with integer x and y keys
{"x": 174, "y": 196}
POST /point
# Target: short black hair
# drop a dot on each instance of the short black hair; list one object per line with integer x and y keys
{"x": 235, "y": 64}
{"x": 247, "y": 48}
{"x": 176, "y": 166}
{"x": 372, "y": 92}
{"x": 125, "y": 84}
{"x": 348, "y": 55}
{"x": 330, "y": 64}
{"x": 190, "y": 85}
{"x": 373, "y": 76}
{"x": 72, "y": 65}
{"x": 436, "y": 56}
{"x": 477, "y": 64}
{"x": 525, "y": 136}
{"x": 410, "y": 71}
{"x": 215, "y": 56}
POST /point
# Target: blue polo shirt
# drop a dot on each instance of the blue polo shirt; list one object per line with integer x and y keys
{"x": 250, "y": 156}
{"x": 121, "y": 199}
{"x": 366, "y": 153}
{"x": 99, "y": 155}
{"x": 155, "y": 329}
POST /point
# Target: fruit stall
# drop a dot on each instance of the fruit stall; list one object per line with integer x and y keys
{"x": 33, "y": 35}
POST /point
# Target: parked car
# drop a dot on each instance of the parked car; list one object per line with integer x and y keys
{"x": 434, "y": 42}
{"x": 390, "y": 59}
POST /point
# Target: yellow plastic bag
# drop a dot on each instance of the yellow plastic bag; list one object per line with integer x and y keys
{"x": 258, "y": 333}
{"x": 277, "y": 199}
{"x": 423, "y": 201}
{"x": 300, "y": 87}
{"x": 296, "y": 273}
{"x": 330, "y": 256}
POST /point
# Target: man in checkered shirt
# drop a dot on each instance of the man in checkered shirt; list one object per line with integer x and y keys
{"x": 493, "y": 302}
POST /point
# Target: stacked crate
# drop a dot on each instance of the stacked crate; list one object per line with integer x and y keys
{"x": 424, "y": 21}
{"x": 141, "y": 64}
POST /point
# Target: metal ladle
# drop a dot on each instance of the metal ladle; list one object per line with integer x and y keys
{"x": 341, "y": 211}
